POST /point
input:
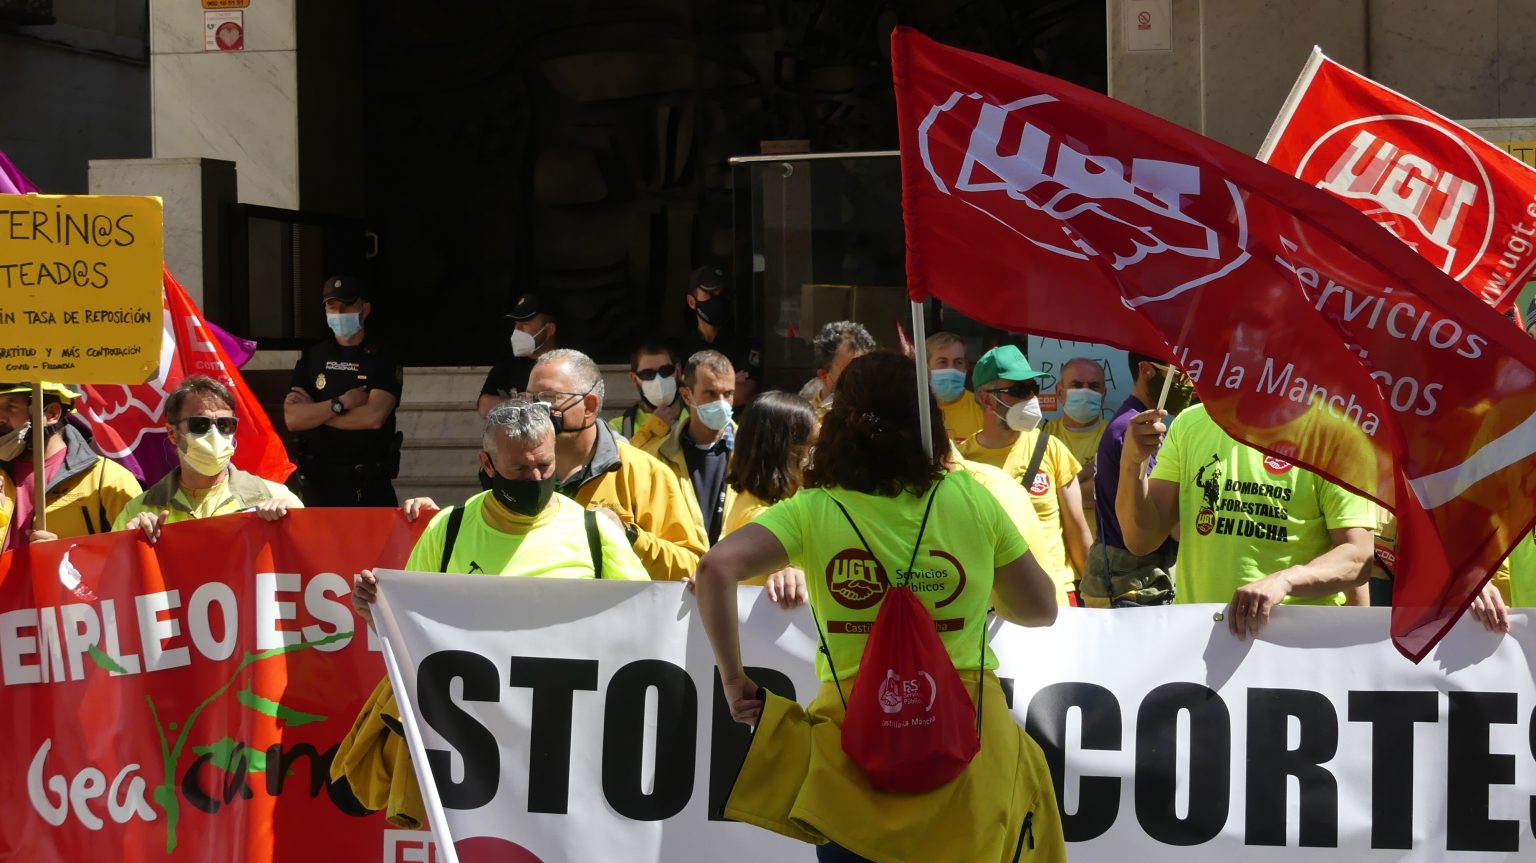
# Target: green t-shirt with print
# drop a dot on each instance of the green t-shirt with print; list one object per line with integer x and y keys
{"x": 552, "y": 544}
{"x": 1244, "y": 515}
{"x": 967, "y": 537}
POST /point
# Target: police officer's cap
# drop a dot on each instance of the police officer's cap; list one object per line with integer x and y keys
{"x": 347, "y": 289}
{"x": 710, "y": 277}
{"x": 530, "y": 303}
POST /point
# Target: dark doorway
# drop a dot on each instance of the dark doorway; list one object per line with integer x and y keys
{"x": 580, "y": 146}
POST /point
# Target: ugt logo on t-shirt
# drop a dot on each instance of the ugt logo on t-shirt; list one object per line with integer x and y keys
{"x": 1041, "y": 486}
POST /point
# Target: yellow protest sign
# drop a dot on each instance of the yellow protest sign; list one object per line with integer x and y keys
{"x": 1525, "y": 151}
{"x": 80, "y": 288}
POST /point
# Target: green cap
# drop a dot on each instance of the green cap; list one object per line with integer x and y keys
{"x": 1005, "y": 362}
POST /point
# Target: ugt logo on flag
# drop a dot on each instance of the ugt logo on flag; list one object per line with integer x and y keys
{"x": 1078, "y": 204}
{"x": 1463, "y": 204}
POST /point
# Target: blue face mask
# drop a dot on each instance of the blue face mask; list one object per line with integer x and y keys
{"x": 1083, "y": 405}
{"x": 714, "y": 415}
{"x": 345, "y": 325}
{"x": 947, "y": 384}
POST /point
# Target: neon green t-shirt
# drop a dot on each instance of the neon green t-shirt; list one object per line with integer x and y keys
{"x": 1244, "y": 515}
{"x": 967, "y": 537}
{"x": 552, "y": 544}
{"x": 1522, "y": 573}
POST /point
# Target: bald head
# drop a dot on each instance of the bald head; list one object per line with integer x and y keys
{"x": 1081, "y": 373}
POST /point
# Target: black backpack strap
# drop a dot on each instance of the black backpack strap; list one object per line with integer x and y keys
{"x": 1028, "y": 479}
{"x": 455, "y": 519}
{"x": 594, "y": 541}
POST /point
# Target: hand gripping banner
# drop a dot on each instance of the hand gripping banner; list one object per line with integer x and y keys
{"x": 562, "y": 721}
{"x": 183, "y": 701}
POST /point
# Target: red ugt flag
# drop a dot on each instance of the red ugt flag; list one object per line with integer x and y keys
{"x": 1035, "y": 205}
{"x": 129, "y": 421}
{"x": 1466, "y": 205}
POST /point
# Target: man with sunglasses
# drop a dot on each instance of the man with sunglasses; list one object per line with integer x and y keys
{"x": 201, "y": 422}
{"x": 601, "y": 472}
{"x": 535, "y": 321}
{"x": 654, "y": 372}
{"x": 1008, "y": 390}
{"x": 83, "y": 491}
{"x": 708, "y": 298}
{"x": 341, "y": 405}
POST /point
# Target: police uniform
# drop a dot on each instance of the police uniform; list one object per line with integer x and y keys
{"x": 745, "y": 354}
{"x": 510, "y": 375}
{"x": 348, "y": 467}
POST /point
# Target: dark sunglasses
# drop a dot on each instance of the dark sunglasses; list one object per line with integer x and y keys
{"x": 1019, "y": 391}
{"x": 201, "y": 425}
{"x": 650, "y": 374}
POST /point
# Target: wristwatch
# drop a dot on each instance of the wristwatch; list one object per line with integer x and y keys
{"x": 631, "y": 532}
{"x": 337, "y": 407}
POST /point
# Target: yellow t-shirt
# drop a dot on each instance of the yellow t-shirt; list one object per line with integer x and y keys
{"x": 1015, "y": 502}
{"x": 745, "y": 507}
{"x": 962, "y": 417}
{"x": 1057, "y": 469}
{"x": 1084, "y": 446}
{"x": 552, "y": 544}
{"x": 1244, "y": 515}
{"x": 967, "y": 537}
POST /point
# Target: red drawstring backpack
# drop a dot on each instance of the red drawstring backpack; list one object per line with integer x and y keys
{"x": 910, "y": 724}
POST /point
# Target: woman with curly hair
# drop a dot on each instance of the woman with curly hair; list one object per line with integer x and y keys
{"x": 874, "y": 491}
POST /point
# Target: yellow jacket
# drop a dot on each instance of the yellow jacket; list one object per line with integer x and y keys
{"x": 238, "y": 492}
{"x": 797, "y": 781}
{"x": 669, "y": 451}
{"x": 669, "y": 536}
{"x": 87, "y": 493}
{"x": 374, "y": 761}
{"x": 650, "y": 433}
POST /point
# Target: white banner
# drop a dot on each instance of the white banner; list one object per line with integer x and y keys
{"x": 579, "y": 721}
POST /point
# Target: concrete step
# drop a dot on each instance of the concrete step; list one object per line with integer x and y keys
{"x": 443, "y": 384}
{"x": 440, "y": 462}
{"x": 428, "y": 425}
{"x": 444, "y": 492}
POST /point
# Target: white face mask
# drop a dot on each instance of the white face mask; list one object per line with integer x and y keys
{"x": 208, "y": 454}
{"x": 12, "y": 443}
{"x": 523, "y": 345}
{"x": 659, "y": 391}
{"x": 1024, "y": 416}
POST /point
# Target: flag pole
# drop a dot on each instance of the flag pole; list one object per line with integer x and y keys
{"x": 39, "y": 502}
{"x": 920, "y": 354}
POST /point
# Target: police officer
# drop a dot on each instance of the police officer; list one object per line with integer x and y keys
{"x": 535, "y": 319}
{"x": 709, "y": 299}
{"x": 342, "y": 406}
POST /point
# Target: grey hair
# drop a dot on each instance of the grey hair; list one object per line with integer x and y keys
{"x": 519, "y": 421}
{"x": 833, "y": 335}
{"x": 588, "y": 377}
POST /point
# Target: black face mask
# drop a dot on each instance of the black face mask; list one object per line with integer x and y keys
{"x": 711, "y": 311}
{"x": 526, "y": 497}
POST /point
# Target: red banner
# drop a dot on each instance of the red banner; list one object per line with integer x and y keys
{"x": 1464, "y": 204}
{"x": 129, "y": 421}
{"x": 183, "y": 701}
{"x": 1037, "y": 206}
